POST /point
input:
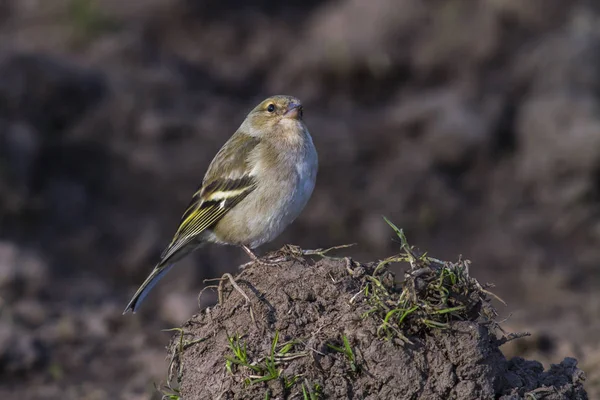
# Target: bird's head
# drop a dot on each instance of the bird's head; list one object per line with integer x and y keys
{"x": 276, "y": 112}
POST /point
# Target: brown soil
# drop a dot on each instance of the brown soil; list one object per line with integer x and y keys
{"x": 315, "y": 305}
{"x": 471, "y": 124}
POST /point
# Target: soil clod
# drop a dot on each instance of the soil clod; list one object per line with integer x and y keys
{"x": 339, "y": 329}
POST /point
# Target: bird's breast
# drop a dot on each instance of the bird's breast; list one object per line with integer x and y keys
{"x": 284, "y": 186}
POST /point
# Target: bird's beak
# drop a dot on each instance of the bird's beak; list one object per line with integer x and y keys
{"x": 294, "y": 110}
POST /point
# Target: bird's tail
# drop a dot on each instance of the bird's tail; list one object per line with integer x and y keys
{"x": 157, "y": 273}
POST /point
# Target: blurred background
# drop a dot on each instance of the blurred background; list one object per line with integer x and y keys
{"x": 472, "y": 124}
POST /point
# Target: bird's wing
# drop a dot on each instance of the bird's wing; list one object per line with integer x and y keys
{"x": 227, "y": 182}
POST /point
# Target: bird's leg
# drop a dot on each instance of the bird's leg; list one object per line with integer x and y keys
{"x": 249, "y": 251}
{"x": 256, "y": 259}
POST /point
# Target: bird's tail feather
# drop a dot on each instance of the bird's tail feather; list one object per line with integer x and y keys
{"x": 157, "y": 273}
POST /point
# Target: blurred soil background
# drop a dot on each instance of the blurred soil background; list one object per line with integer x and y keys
{"x": 472, "y": 124}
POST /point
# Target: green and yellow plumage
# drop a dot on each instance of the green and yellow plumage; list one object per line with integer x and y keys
{"x": 265, "y": 173}
{"x": 207, "y": 207}
{"x": 210, "y": 203}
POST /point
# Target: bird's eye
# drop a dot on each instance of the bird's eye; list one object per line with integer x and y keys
{"x": 271, "y": 108}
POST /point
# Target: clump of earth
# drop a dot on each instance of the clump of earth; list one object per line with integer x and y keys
{"x": 473, "y": 124}
{"x": 334, "y": 328}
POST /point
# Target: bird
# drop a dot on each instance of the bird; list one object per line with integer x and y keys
{"x": 256, "y": 185}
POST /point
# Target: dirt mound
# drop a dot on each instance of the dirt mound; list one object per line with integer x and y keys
{"x": 471, "y": 123}
{"x": 338, "y": 329}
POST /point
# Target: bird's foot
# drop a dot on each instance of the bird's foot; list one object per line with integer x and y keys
{"x": 297, "y": 251}
{"x": 272, "y": 259}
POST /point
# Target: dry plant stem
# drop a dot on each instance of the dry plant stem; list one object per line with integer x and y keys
{"x": 348, "y": 261}
{"x": 236, "y": 287}
{"x": 512, "y": 336}
{"x": 246, "y": 265}
{"x": 256, "y": 259}
{"x": 274, "y": 261}
{"x": 202, "y": 291}
{"x": 182, "y": 345}
{"x": 492, "y": 295}
{"x": 291, "y": 250}
{"x": 323, "y": 252}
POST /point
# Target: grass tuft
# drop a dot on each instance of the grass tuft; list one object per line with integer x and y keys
{"x": 432, "y": 295}
{"x": 311, "y": 392}
{"x": 347, "y": 351}
{"x": 168, "y": 391}
{"x": 268, "y": 369}
{"x": 263, "y": 369}
{"x": 240, "y": 354}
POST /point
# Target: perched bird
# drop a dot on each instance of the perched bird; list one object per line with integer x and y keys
{"x": 256, "y": 185}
